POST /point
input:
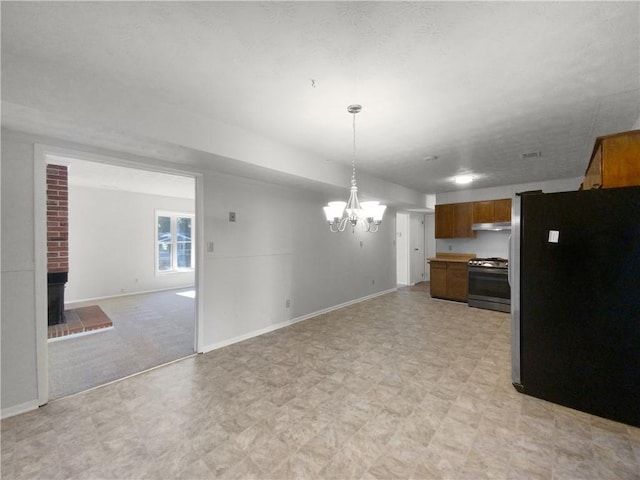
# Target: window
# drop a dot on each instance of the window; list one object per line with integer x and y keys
{"x": 174, "y": 242}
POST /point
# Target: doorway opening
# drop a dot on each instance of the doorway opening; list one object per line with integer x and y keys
{"x": 412, "y": 245}
{"x": 126, "y": 298}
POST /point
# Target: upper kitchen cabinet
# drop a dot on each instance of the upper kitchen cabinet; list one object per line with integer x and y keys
{"x": 483, "y": 212}
{"x": 454, "y": 220}
{"x": 615, "y": 162}
{"x": 503, "y": 210}
{"x": 444, "y": 221}
{"x": 463, "y": 216}
{"x": 492, "y": 211}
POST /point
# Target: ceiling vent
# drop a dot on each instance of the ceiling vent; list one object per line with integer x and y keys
{"x": 530, "y": 155}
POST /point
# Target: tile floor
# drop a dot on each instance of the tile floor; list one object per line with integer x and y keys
{"x": 401, "y": 386}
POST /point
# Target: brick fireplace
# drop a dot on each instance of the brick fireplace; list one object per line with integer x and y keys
{"x": 57, "y": 240}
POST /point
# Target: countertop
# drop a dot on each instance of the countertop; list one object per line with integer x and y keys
{"x": 451, "y": 257}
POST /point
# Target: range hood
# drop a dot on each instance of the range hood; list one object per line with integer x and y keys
{"x": 494, "y": 227}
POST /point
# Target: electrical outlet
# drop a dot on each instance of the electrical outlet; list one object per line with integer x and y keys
{"x": 373, "y": 282}
{"x": 450, "y": 247}
{"x": 288, "y": 303}
{"x": 209, "y": 247}
{"x": 232, "y": 216}
{"x": 361, "y": 243}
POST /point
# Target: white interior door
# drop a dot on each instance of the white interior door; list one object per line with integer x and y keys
{"x": 416, "y": 245}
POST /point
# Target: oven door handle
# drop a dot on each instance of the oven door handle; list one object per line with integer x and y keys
{"x": 489, "y": 271}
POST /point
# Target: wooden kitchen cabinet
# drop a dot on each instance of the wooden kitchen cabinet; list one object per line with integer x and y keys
{"x": 463, "y": 218}
{"x": 438, "y": 279}
{"x": 484, "y": 212}
{"x": 593, "y": 177}
{"x": 445, "y": 221}
{"x": 615, "y": 162}
{"x": 454, "y": 220}
{"x": 457, "y": 281}
{"x": 449, "y": 276}
{"x": 502, "y": 210}
{"x": 492, "y": 211}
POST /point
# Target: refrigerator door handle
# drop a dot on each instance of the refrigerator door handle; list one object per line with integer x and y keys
{"x": 509, "y": 265}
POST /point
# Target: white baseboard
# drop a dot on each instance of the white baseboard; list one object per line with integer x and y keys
{"x": 18, "y": 409}
{"x": 128, "y": 294}
{"x": 277, "y": 326}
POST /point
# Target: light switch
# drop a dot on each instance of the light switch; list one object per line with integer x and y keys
{"x": 554, "y": 235}
{"x": 209, "y": 247}
{"x": 232, "y": 216}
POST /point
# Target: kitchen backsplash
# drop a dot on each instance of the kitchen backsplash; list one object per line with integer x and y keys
{"x": 487, "y": 244}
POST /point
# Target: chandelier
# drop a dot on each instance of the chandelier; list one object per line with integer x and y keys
{"x": 353, "y": 212}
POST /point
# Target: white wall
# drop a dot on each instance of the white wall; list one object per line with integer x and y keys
{"x": 111, "y": 243}
{"x": 494, "y": 244}
{"x": 279, "y": 248}
{"x": 486, "y": 244}
{"x": 18, "y": 331}
{"x": 402, "y": 248}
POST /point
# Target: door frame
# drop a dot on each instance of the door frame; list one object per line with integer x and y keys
{"x": 429, "y": 242}
{"x": 420, "y": 232}
{"x": 40, "y": 154}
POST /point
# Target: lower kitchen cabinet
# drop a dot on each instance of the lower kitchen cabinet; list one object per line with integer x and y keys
{"x": 457, "y": 281}
{"x": 438, "y": 281}
{"x": 449, "y": 280}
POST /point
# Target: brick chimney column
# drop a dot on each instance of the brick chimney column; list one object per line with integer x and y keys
{"x": 57, "y": 239}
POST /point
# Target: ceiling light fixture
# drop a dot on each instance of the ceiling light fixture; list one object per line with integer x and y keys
{"x": 463, "y": 179}
{"x": 367, "y": 214}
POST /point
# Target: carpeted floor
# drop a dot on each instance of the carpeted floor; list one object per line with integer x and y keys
{"x": 149, "y": 330}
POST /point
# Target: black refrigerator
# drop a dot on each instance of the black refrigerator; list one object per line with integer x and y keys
{"x": 575, "y": 299}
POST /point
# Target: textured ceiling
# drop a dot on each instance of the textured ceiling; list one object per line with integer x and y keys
{"x": 474, "y": 83}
